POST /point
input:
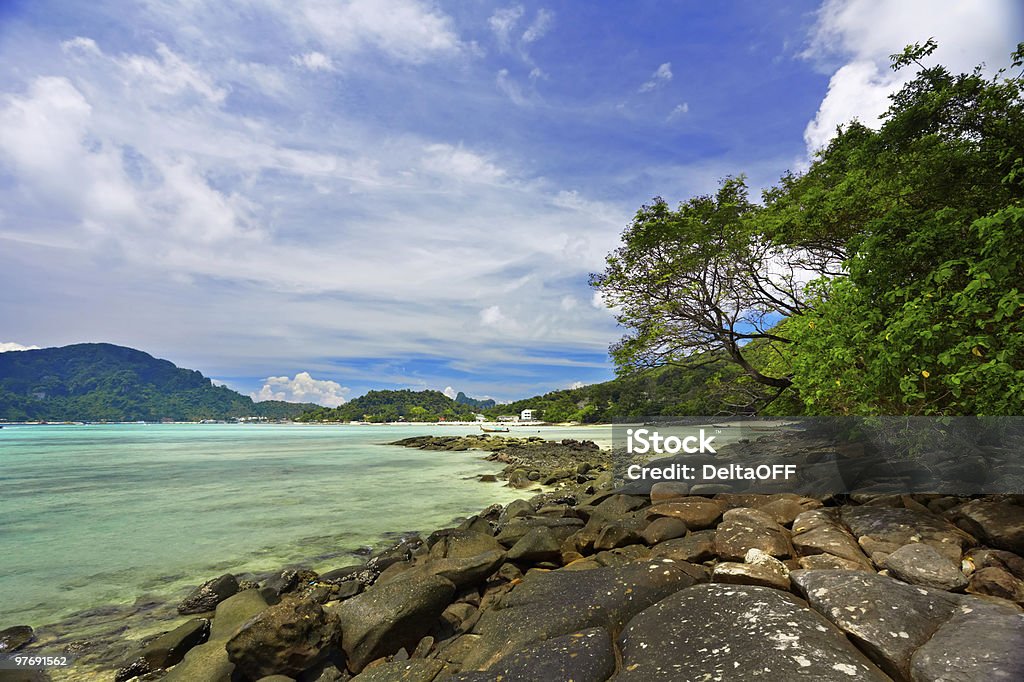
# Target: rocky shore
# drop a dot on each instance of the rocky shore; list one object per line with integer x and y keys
{"x": 578, "y": 581}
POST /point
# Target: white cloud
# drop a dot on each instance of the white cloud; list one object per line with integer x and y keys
{"x": 853, "y": 39}
{"x": 302, "y": 389}
{"x": 450, "y": 392}
{"x": 503, "y": 22}
{"x": 406, "y": 30}
{"x": 568, "y": 303}
{"x": 577, "y": 384}
{"x": 541, "y": 25}
{"x": 661, "y": 76}
{"x": 511, "y": 88}
{"x": 314, "y": 61}
{"x": 491, "y": 316}
{"x": 7, "y": 346}
{"x": 679, "y": 110}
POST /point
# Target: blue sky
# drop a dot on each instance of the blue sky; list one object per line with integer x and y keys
{"x": 306, "y": 199}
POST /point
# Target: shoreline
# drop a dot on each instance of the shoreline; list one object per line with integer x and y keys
{"x": 589, "y": 581}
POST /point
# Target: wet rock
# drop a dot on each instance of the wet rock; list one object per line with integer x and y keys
{"x": 696, "y": 513}
{"x": 419, "y": 670}
{"x": 922, "y": 564}
{"x": 463, "y": 572}
{"x": 519, "y": 478}
{"x": 896, "y": 624}
{"x": 694, "y": 548}
{"x": 515, "y": 529}
{"x": 996, "y": 582}
{"x": 170, "y": 648}
{"x": 731, "y": 632}
{"x": 538, "y": 544}
{"x": 206, "y": 597}
{"x": 619, "y": 534}
{"x": 283, "y": 639}
{"x": 13, "y": 638}
{"x": 536, "y": 610}
{"x": 134, "y": 668}
{"x": 978, "y": 643}
{"x": 818, "y": 532}
{"x": 883, "y": 530}
{"x": 586, "y": 656}
{"x": 744, "y": 529}
{"x": 391, "y": 616}
{"x": 663, "y": 528}
{"x": 669, "y": 491}
{"x": 209, "y": 662}
{"x": 996, "y": 522}
{"x": 977, "y": 559}
{"x": 887, "y": 619}
{"x": 514, "y": 509}
{"x": 463, "y": 544}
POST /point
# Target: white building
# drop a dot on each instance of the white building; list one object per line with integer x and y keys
{"x": 526, "y": 416}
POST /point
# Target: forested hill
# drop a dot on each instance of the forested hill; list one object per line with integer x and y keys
{"x": 389, "y": 406}
{"x": 101, "y": 381}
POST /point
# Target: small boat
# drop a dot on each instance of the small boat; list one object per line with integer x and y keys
{"x": 494, "y": 429}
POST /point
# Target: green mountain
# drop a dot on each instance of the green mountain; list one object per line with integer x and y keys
{"x": 475, "y": 403}
{"x": 385, "y": 406}
{"x": 100, "y": 381}
{"x": 677, "y": 391}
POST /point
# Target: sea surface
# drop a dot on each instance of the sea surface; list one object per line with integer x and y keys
{"x": 95, "y": 515}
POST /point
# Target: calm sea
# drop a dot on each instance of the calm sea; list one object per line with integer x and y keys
{"x": 102, "y": 514}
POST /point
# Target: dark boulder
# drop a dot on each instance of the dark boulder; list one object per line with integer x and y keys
{"x": 537, "y": 545}
{"x": 996, "y": 582}
{"x": 391, "y": 616}
{"x": 818, "y": 532}
{"x": 697, "y": 513}
{"x": 586, "y": 656}
{"x": 694, "y": 548}
{"x": 283, "y": 639}
{"x": 206, "y": 597}
{"x": 882, "y": 530}
{"x": 663, "y": 528}
{"x": 419, "y": 670}
{"x": 996, "y": 522}
{"x": 13, "y": 638}
{"x": 731, "y": 632}
{"x": 922, "y": 564}
{"x": 744, "y": 529}
{"x": 463, "y": 572}
{"x": 555, "y": 603}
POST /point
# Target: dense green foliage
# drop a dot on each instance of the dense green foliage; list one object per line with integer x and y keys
{"x": 390, "y": 406}
{"x": 707, "y": 390}
{"x": 99, "y": 381}
{"x": 886, "y": 279}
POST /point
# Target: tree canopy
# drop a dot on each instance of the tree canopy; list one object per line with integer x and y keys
{"x": 886, "y": 278}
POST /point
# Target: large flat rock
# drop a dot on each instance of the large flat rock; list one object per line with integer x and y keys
{"x": 556, "y": 603}
{"x": 731, "y": 632}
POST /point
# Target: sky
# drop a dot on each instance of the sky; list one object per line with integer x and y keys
{"x": 308, "y": 199}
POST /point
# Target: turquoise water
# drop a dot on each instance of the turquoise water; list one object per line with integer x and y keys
{"x": 101, "y": 514}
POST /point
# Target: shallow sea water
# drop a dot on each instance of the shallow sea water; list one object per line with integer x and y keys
{"x": 100, "y": 515}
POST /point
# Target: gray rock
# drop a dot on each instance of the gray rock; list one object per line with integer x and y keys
{"x": 887, "y": 619}
{"x": 663, "y": 528}
{"x": 419, "y": 670}
{"x": 922, "y": 564}
{"x": 206, "y": 597}
{"x": 13, "y": 638}
{"x": 977, "y": 559}
{"x": 731, "y": 632}
{"x": 883, "y": 530}
{"x": 996, "y": 582}
{"x": 391, "y": 616}
{"x": 694, "y": 548}
{"x": 732, "y": 573}
{"x": 555, "y": 603}
{"x": 666, "y": 491}
{"x": 818, "y": 532}
{"x": 586, "y": 656}
{"x": 209, "y": 662}
{"x": 538, "y": 544}
{"x": 283, "y": 639}
{"x": 463, "y": 572}
{"x": 458, "y": 544}
{"x": 619, "y": 534}
{"x": 697, "y": 513}
{"x": 744, "y": 529}
{"x": 980, "y": 642}
{"x": 996, "y": 522}
{"x": 170, "y": 648}
{"x": 515, "y": 529}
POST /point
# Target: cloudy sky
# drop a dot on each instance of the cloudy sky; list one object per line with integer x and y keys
{"x": 305, "y": 199}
